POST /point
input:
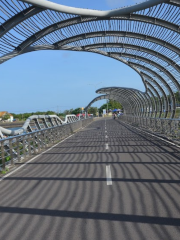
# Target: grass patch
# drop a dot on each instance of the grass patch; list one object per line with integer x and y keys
{"x": 4, "y": 171}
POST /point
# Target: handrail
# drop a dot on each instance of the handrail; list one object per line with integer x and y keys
{"x": 20, "y": 148}
{"x": 167, "y": 127}
{"x": 68, "y": 119}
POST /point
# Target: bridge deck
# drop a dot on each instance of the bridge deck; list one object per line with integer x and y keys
{"x": 64, "y": 193}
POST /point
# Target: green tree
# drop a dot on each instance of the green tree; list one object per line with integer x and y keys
{"x": 177, "y": 97}
{"x": 112, "y": 104}
{"x": 93, "y": 110}
{"x": 24, "y": 116}
{"x": 76, "y": 111}
{"x": 50, "y": 113}
{"x": 5, "y": 117}
{"x": 104, "y": 106}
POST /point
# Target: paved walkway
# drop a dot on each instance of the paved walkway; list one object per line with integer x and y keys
{"x": 106, "y": 182}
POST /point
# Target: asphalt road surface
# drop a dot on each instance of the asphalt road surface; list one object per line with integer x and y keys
{"x": 107, "y": 182}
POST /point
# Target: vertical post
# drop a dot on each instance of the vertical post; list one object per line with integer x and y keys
{"x": 29, "y": 145}
{"x": 24, "y": 148}
{"x": 2, "y": 154}
{"x": 51, "y": 136}
{"x": 34, "y": 143}
{"x": 44, "y": 140}
{"x": 10, "y": 151}
{"x": 59, "y": 133}
{"x": 18, "y": 150}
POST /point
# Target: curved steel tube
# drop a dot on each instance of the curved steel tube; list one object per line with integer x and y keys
{"x": 89, "y": 12}
{"x": 153, "y": 63}
{"x": 159, "y": 99}
{"x": 136, "y": 102}
{"x": 18, "y": 18}
{"x": 160, "y": 89}
{"x": 134, "y": 47}
{"x": 154, "y": 103}
{"x": 112, "y": 33}
{"x": 35, "y": 117}
{"x": 77, "y": 20}
{"x": 95, "y": 100}
{"x": 129, "y": 94}
{"x": 155, "y": 82}
{"x": 163, "y": 82}
{"x": 127, "y": 98}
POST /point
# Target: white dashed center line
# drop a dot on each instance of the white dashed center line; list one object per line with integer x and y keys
{"x": 108, "y": 175}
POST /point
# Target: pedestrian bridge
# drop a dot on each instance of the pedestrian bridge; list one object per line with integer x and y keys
{"x": 96, "y": 179}
{"x": 145, "y": 37}
{"x": 108, "y": 180}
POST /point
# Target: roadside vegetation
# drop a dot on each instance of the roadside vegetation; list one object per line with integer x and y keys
{"x": 92, "y": 110}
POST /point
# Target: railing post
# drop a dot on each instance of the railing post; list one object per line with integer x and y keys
{"x": 39, "y": 141}
{"x": 44, "y": 143}
{"x": 51, "y": 137}
{"x": 58, "y": 133}
{"x": 10, "y": 152}
{"x": 24, "y": 148}
{"x": 17, "y": 149}
{"x": 29, "y": 145}
{"x": 2, "y": 155}
{"x": 34, "y": 143}
{"x": 48, "y": 138}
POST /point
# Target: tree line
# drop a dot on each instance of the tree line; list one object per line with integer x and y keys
{"x": 111, "y": 104}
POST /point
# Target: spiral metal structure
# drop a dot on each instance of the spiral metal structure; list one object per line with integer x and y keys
{"x": 146, "y": 37}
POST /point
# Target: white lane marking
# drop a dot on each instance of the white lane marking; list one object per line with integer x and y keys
{"x": 106, "y": 136}
{"x": 108, "y": 175}
{"x": 107, "y": 147}
{"x": 2, "y": 178}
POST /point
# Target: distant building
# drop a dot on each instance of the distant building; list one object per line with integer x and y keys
{"x": 2, "y": 114}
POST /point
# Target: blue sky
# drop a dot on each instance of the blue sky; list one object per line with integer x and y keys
{"x": 97, "y": 4}
{"x": 51, "y": 80}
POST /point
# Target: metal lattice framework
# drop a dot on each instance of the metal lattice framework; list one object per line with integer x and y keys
{"x": 146, "y": 37}
{"x": 39, "y": 122}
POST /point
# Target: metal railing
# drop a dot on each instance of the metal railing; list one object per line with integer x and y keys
{"x": 38, "y": 122}
{"x": 165, "y": 126}
{"x": 23, "y": 147}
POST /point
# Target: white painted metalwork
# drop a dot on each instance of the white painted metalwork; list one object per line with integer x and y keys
{"x": 39, "y": 122}
{"x": 145, "y": 37}
{"x": 23, "y": 147}
{"x": 89, "y": 12}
